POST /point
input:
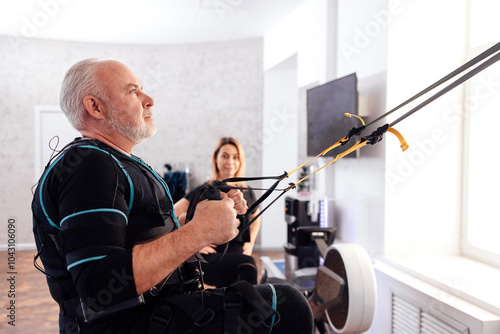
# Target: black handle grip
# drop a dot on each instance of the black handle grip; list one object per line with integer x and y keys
{"x": 210, "y": 192}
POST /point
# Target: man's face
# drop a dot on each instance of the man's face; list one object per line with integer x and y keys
{"x": 128, "y": 107}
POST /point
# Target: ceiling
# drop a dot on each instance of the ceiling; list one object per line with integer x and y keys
{"x": 142, "y": 22}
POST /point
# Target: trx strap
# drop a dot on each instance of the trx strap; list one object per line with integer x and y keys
{"x": 491, "y": 53}
{"x": 212, "y": 192}
{"x": 160, "y": 319}
{"x": 164, "y": 312}
{"x": 199, "y": 313}
{"x": 470, "y": 63}
{"x": 254, "y": 206}
{"x": 454, "y": 84}
{"x": 233, "y": 298}
{"x": 377, "y": 135}
{"x": 206, "y": 192}
{"x": 223, "y": 186}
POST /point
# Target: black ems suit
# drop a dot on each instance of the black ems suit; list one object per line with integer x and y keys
{"x": 91, "y": 206}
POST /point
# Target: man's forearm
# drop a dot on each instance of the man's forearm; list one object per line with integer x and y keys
{"x": 214, "y": 222}
{"x": 155, "y": 260}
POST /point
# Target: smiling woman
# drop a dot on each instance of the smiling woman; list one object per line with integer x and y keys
{"x": 228, "y": 161}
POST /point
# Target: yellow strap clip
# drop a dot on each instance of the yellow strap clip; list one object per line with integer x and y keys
{"x": 337, "y": 144}
{"x": 351, "y": 115}
{"x": 402, "y": 141}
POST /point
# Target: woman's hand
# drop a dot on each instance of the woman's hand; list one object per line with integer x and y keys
{"x": 208, "y": 250}
{"x": 240, "y": 204}
{"x": 248, "y": 248}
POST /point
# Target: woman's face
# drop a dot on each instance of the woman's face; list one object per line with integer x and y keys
{"x": 228, "y": 161}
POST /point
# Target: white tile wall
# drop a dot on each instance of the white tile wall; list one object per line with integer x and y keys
{"x": 201, "y": 92}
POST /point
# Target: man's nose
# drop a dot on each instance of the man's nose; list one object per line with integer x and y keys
{"x": 148, "y": 101}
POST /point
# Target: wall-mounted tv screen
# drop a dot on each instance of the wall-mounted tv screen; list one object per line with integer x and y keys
{"x": 326, "y": 122}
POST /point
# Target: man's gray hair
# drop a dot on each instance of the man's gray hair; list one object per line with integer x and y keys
{"x": 80, "y": 80}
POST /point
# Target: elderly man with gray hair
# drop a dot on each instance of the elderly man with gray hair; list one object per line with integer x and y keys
{"x": 116, "y": 257}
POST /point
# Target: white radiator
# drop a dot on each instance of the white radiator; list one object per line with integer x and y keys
{"x": 408, "y": 305}
{"x": 408, "y": 318}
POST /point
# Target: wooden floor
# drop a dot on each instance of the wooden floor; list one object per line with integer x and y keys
{"x": 35, "y": 311}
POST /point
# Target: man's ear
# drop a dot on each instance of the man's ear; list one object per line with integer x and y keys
{"x": 94, "y": 106}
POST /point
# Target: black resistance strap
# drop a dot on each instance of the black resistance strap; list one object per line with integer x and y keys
{"x": 492, "y": 53}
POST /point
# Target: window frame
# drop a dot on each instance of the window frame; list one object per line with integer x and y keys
{"x": 467, "y": 248}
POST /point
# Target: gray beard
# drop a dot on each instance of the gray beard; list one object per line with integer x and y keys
{"x": 135, "y": 133}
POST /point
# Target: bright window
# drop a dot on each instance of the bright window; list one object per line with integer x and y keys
{"x": 482, "y": 168}
{"x": 481, "y": 158}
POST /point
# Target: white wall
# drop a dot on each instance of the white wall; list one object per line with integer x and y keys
{"x": 294, "y": 54}
{"x": 280, "y": 142}
{"x": 201, "y": 92}
{"x": 319, "y": 33}
{"x": 357, "y": 185}
{"x": 303, "y": 33}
